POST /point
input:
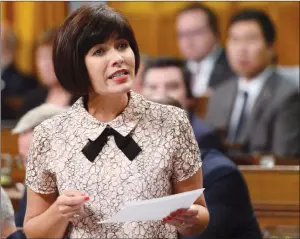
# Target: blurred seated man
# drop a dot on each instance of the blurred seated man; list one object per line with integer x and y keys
{"x": 259, "y": 110}
{"x": 198, "y": 40}
{"x": 7, "y": 224}
{"x": 13, "y": 82}
{"x": 25, "y": 128}
{"x": 170, "y": 77}
{"x": 226, "y": 194}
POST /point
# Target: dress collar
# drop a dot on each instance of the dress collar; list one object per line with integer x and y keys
{"x": 123, "y": 123}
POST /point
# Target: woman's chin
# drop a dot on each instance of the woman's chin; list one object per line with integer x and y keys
{"x": 121, "y": 88}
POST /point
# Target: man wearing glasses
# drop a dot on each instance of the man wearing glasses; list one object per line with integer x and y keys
{"x": 198, "y": 36}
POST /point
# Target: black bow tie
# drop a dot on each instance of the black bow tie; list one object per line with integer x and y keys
{"x": 128, "y": 146}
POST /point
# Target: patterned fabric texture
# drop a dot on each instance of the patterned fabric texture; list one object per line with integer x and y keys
{"x": 7, "y": 211}
{"x": 169, "y": 153}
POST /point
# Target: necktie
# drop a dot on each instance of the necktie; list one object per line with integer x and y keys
{"x": 128, "y": 146}
{"x": 237, "y": 129}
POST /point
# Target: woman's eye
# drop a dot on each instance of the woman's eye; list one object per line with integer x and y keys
{"x": 122, "y": 46}
{"x": 99, "y": 52}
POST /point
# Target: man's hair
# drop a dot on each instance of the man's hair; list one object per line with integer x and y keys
{"x": 211, "y": 16}
{"x": 162, "y": 62}
{"x": 267, "y": 27}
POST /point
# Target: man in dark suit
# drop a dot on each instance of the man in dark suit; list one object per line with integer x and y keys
{"x": 198, "y": 36}
{"x": 13, "y": 82}
{"x": 226, "y": 193}
{"x": 259, "y": 109}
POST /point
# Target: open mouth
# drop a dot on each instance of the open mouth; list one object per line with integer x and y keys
{"x": 119, "y": 74}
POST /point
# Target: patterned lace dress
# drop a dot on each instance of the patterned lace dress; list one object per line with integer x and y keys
{"x": 169, "y": 153}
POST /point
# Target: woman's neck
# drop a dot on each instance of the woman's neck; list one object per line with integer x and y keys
{"x": 107, "y": 108}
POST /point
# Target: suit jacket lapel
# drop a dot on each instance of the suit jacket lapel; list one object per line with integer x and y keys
{"x": 260, "y": 104}
{"x": 221, "y": 71}
{"x": 232, "y": 92}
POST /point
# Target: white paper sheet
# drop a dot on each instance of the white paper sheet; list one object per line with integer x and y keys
{"x": 155, "y": 209}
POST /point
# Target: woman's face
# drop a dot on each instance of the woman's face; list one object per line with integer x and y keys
{"x": 44, "y": 65}
{"x": 111, "y": 67}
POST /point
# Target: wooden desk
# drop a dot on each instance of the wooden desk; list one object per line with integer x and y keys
{"x": 275, "y": 194}
{"x": 200, "y": 106}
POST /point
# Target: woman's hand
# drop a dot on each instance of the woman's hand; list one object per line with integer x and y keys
{"x": 183, "y": 219}
{"x": 70, "y": 204}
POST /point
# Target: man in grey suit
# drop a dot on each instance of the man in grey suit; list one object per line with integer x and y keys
{"x": 198, "y": 41}
{"x": 260, "y": 110}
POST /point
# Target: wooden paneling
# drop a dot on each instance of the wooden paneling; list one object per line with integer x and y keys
{"x": 274, "y": 194}
{"x": 154, "y": 25}
{"x": 9, "y": 142}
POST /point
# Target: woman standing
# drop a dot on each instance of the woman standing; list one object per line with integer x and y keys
{"x": 112, "y": 146}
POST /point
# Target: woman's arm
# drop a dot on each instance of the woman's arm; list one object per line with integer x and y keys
{"x": 48, "y": 216}
{"x": 42, "y": 218}
{"x": 195, "y": 218}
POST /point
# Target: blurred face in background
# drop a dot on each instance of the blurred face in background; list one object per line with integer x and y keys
{"x": 165, "y": 81}
{"x": 247, "y": 50}
{"x": 195, "y": 38}
{"x": 24, "y": 140}
{"x": 44, "y": 65}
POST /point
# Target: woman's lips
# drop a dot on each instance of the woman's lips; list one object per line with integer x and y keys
{"x": 120, "y": 79}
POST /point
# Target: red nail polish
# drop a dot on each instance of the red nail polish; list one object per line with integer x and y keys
{"x": 86, "y": 198}
{"x": 173, "y": 214}
{"x": 164, "y": 220}
{"x": 169, "y": 218}
{"x": 179, "y": 211}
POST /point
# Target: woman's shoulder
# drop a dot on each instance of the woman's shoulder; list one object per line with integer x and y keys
{"x": 165, "y": 112}
{"x": 54, "y": 123}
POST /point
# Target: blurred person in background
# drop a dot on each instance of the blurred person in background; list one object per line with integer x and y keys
{"x": 137, "y": 84}
{"x": 198, "y": 40}
{"x": 259, "y": 109}
{"x": 165, "y": 76}
{"x": 24, "y": 129}
{"x": 226, "y": 192}
{"x": 14, "y": 83}
{"x": 50, "y": 90}
{"x": 8, "y": 228}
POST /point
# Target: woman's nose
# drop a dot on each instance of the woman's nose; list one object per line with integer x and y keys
{"x": 117, "y": 58}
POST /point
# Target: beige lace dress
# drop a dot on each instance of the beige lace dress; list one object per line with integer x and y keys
{"x": 169, "y": 152}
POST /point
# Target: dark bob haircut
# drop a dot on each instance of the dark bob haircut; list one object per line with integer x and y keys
{"x": 264, "y": 21}
{"x": 83, "y": 29}
{"x": 162, "y": 62}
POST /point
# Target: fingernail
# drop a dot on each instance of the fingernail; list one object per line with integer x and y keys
{"x": 86, "y": 198}
{"x": 169, "y": 218}
{"x": 173, "y": 214}
{"x": 164, "y": 220}
{"x": 179, "y": 211}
